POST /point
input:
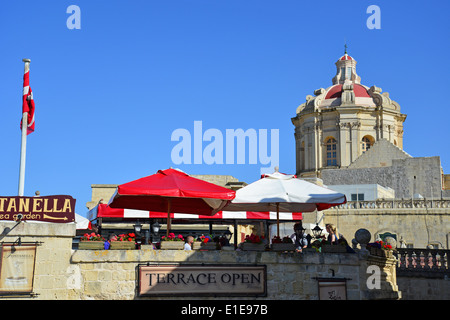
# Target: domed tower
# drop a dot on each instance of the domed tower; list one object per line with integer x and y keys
{"x": 338, "y": 124}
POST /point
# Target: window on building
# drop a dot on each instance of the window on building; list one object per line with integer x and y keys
{"x": 331, "y": 152}
{"x": 366, "y": 144}
{"x": 357, "y": 196}
{"x": 349, "y": 73}
{"x": 342, "y": 74}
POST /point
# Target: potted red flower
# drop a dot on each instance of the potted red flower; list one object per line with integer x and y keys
{"x": 208, "y": 243}
{"x": 253, "y": 243}
{"x": 91, "y": 241}
{"x": 381, "y": 249}
{"x": 124, "y": 241}
{"x": 282, "y": 244}
{"x": 172, "y": 242}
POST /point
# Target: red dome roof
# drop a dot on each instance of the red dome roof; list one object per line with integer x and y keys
{"x": 346, "y": 57}
{"x": 336, "y": 91}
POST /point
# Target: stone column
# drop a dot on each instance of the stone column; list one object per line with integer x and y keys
{"x": 317, "y": 145}
{"x": 298, "y": 150}
{"x": 343, "y": 161}
{"x": 354, "y": 129}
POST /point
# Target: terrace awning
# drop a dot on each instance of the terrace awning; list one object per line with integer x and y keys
{"x": 104, "y": 211}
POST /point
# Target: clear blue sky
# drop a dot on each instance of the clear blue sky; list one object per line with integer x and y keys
{"x": 109, "y": 96}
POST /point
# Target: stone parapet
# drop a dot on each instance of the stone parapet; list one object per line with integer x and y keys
{"x": 418, "y": 223}
{"x": 63, "y": 273}
{"x": 289, "y": 275}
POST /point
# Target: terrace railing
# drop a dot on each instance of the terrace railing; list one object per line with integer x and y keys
{"x": 397, "y": 204}
{"x": 429, "y": 263}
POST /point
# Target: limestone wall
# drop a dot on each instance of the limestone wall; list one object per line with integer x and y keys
{"x": 418, "y": 288}
{"x": 406, "y": 176}
{"x": 111, "y": 274}
{"x": 63, "y": 273}
{"x": 417, "y": 227}
{"x": 101, "y": 191}
{"x": 53, "y": 268}
{"x": 380, "y": 154}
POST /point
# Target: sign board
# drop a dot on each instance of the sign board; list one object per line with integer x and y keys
{"x": 17, "y": 269}
{"x": 188, "y": 280}
{"x": 332, "y": 289}
{"x": 57, "y": 209}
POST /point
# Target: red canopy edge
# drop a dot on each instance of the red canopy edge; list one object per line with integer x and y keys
{"x": 104, "y": 211}
{"x": 175, "y": 183}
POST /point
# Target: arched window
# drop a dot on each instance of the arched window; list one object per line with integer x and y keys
{"x": 331, "y": 152}
{"x": 348, "y": 75}
{"x": 342, "y": 74}
{"x": 366, "y": 143}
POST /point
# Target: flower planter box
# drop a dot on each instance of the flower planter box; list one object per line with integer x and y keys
{"x": 283, "y": 247}
{"x": 91, "y": 245}
{"x": 209, "y": 246}
{"x": 247, "y": 246}
{"x": 381, "y": 252}
{"x": 172, "y": 245}
{"x": 122, "y": 245}
{"x": 227, "y": 248}
{"x": 328, "y": 248}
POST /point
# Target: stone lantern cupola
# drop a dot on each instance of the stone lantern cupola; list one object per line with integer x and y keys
{"x": 346, "y": 70}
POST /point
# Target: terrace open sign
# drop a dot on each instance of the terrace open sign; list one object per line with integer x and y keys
{"x": 56, "y": 209}
{"x": 202, "y": 280}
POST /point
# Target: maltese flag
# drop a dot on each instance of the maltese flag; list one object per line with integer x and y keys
{"x": 28, "y": 102}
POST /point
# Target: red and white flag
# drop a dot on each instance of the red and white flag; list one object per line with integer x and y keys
{"x": 28, "y": 102}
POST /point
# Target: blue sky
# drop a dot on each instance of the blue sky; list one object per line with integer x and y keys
{"x": 109, "y": 95}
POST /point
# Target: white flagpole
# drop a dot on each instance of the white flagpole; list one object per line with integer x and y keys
{"x": 23, "y": 149}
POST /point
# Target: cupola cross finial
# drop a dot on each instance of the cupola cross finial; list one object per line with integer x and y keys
{"x": 345, "y": 46}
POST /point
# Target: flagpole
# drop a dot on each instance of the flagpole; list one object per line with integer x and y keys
{"x": 23, "y": 148}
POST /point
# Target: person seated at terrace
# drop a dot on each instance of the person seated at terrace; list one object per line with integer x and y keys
{"x": 299, "y": 237}
{"x": 333, "y": 236}
{"x": 189, "y": 243}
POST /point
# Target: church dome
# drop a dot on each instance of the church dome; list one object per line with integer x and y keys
{"x": 339, "y": 123}
{"x": 346, "y": 90}
{"x": 336, "y": 91}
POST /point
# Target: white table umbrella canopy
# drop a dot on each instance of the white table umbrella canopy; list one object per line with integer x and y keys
{"x": 278, "y": 192}
{"x": 284, "y": 193}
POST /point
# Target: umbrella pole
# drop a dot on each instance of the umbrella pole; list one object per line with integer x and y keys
{"x": 168, "y": 219}
{"x": 278, "y": 219}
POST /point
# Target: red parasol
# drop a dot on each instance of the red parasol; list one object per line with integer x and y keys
{"x": 171, "y": 191}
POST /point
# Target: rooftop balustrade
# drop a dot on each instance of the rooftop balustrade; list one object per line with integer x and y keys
{"x": 397, "y": 204}
{"x": 422, "y": 262}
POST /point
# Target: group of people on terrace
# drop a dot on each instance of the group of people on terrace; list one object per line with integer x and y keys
{"x": 299, "y": 238}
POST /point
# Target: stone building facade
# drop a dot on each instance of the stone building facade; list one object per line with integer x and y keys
{"x": 351, "y": 134}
